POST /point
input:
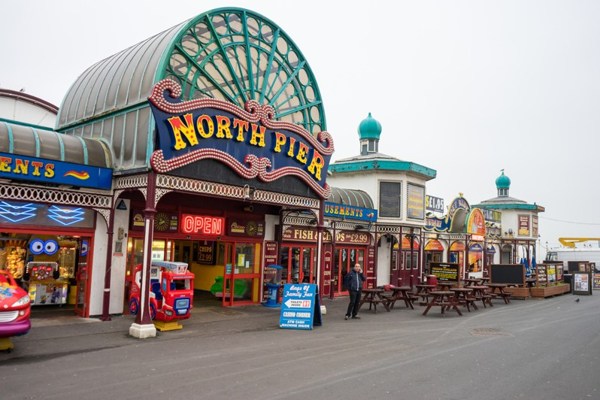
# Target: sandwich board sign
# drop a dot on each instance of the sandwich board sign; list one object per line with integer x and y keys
{"x": 300, "y": 307}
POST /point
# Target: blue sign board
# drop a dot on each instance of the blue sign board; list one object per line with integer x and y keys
{"x": 300, "y": 308}
{"x": 51, "y": 171}
{"x": 345, "y": 211}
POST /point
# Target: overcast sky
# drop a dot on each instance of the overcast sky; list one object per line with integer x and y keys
{"x": 464, "y": 87}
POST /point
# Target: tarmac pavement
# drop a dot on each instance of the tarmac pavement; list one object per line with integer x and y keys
{"x": 535, "y": 349}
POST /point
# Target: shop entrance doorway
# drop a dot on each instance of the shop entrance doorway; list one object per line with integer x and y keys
{"x": 241, "y": 272}
{"x": 82, "y": 276}
{"x": 409, "y": 268}
{"x": 299, "y": 264}
{"x": 344, "y": 260}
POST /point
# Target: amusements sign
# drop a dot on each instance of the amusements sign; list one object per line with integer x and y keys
{"x": 508, "y": 273}
{"x": 445, "y": 271}
{"x": 300, "y": 308}
{"x": 51, "y": 171}
{"x": 350, "y": 212}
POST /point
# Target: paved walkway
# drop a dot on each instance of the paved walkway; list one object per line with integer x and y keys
{"x": 58, "y": 332}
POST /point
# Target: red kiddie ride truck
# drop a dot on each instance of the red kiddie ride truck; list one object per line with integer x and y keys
{"x": 171, "y": 291}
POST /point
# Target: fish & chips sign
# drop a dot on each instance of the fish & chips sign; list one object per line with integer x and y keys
{"x": 248, "y": 141}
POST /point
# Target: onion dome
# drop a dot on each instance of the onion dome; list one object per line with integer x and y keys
{"x": 369, "y": 128}
{"x": 503, "y": 184}
{"x": 503, "y": 181}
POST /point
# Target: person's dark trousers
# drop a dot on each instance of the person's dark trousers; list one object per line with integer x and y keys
{"x": 354, "y": 302}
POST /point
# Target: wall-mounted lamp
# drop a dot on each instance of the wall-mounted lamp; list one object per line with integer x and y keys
{"x": 249, "y": 192}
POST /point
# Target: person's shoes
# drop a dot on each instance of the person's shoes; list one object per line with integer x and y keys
{"x": 346, "y": 317}
{"x": 356, "y": 317}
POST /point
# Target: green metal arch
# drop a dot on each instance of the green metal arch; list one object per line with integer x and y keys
{"x": 237, "y": 55}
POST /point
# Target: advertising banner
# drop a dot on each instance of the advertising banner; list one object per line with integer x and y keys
{"x": 582, "y": 283}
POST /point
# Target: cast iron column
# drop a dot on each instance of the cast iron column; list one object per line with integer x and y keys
{"x": 143, "y": 327}
{"x": 109, "y": 260}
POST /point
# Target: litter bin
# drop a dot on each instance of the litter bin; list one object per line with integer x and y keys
{"x": 272, "y": 289}
{"x": 432, "y": 280}
{"x": 272, "y": 279}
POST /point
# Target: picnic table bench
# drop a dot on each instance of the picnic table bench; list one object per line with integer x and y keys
{"x": 374, "y": 296}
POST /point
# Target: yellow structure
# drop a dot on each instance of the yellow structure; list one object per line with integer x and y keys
{"x": 570, "y": 242}
{"x": 168, "y": 326}
{"x": 6, "y": 344}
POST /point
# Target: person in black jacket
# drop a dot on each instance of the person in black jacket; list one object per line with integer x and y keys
{"x": 354, "y": 282}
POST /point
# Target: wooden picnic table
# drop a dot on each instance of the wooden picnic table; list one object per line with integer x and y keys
{"x": 445, "y": 285}
{"x": 374, "y": 296}
{"x": 497, "y": 290}
{"x": 401, "y": 293}
{"x": 444, "y": 299}
{"x": 464, "y": 296}
{"x": 423, "y": 292}
{"x": 471, "y": 281}
{"x": 480, "y": 292}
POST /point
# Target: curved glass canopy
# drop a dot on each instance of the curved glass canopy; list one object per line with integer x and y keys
{"x": 229, "y": 54}
{"x": 351, "y": 197}
{"x": 236, "y": 55}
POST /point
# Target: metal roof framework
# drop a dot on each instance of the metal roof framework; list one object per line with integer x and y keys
{"x": 230, "y": 54}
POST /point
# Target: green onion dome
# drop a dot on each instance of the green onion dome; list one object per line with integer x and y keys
{"x": 369, "y": 128}
{"x": 503, "y": 181}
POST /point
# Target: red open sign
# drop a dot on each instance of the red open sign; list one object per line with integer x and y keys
{"x": 203, "y": 224}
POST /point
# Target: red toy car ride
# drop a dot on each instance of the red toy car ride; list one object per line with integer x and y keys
{"x": 171, "y": 291}
{"x": 15, "y": 307}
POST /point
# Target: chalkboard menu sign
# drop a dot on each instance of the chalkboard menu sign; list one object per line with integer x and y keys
{"x": 513, "y": 274}
{"x": 445, "y": 271}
